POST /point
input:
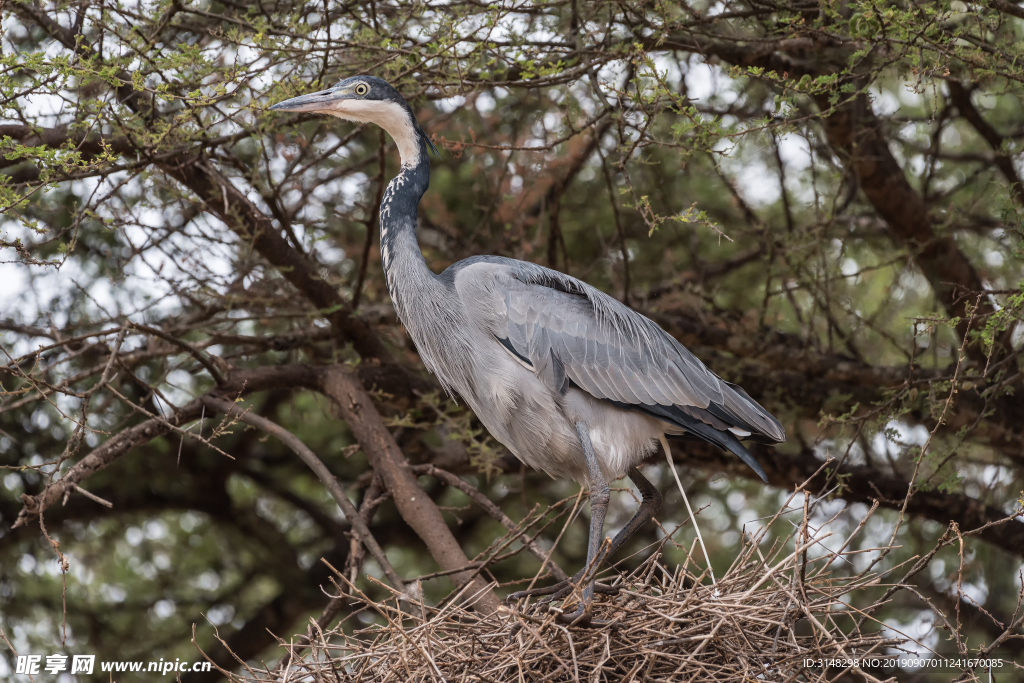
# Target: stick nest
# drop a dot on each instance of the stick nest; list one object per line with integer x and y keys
{"x": 760, "y": 622}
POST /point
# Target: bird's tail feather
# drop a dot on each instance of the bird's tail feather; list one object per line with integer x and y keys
{"x": 728, "y": 442}
{"x": 700, "y": 430}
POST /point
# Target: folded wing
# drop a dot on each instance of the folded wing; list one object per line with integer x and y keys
{"x": 573, "y": 334}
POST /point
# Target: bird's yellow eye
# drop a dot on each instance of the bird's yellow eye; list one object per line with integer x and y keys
{"x": 362, "y": 89}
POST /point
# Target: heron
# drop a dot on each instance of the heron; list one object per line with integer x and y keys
{"x": 572, "y": 381}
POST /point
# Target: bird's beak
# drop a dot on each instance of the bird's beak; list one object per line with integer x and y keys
{"x": 317, "y": 101}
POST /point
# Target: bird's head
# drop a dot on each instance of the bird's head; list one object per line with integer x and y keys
{"x": 366, "y": 99}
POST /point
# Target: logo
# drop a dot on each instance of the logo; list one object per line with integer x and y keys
{"x": 31, "y": 665}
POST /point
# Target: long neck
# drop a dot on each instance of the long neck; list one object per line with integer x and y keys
{"x": 423, "y": 302}
{"x": 405, "y": 269}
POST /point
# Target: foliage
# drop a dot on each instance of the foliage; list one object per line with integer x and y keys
{"x": 822, "y": 200}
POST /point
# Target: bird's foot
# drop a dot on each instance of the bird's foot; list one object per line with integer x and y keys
{"x": 557, "y": 591}
{"x": 581, "y": 618}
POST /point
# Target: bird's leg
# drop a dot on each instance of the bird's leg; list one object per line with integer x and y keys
{"x": 650, "y": 503}
{"x": 599, "y": 497}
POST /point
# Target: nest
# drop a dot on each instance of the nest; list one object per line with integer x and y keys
{"x": 775, "y": 615}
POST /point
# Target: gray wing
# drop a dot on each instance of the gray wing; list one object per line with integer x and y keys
{"x": 562, "y": 337}
{"x": 573, "y": 334}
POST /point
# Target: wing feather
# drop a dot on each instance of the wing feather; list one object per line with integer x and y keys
{"x": 617, "y": 354}
{"x": 571, "y": 332}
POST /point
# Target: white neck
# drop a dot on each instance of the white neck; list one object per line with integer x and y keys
{"x": 390, "y": 116}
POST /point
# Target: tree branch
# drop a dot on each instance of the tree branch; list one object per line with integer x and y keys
{"x": 326, "y": 478}
{"x": 961, "y": 98}
{"x": 120, "y": 444}
{"x": 1007, "y": 8}
{"x": 207, "y": 362}
{"x": 414, "y": 505}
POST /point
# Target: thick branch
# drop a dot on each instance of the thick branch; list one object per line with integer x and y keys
{"x": 961, "y": 97}
{"x": 1007, "y": 8}
{"x": 88, "y": 144}
{"x": 414, "y": 505}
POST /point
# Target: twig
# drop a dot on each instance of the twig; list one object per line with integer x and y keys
{"x": 205, "y": 361}
{"x": 693, "y": 518}
{"x": 490, "y": 508}
{"x": 314, "y": 463}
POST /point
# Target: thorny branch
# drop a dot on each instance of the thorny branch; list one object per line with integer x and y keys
{"x": 161, "y": 191}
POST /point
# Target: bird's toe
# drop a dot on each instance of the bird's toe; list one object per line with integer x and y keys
{"x": 582, "y": 617}
{"x": 560, "y": 589}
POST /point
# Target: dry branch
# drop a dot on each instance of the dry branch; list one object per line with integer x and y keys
{"x": 415, "y": 506}
{"x": 756, "y": 624}
{"x": 493, "y": 510}
{"x": 326, "y": 478}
